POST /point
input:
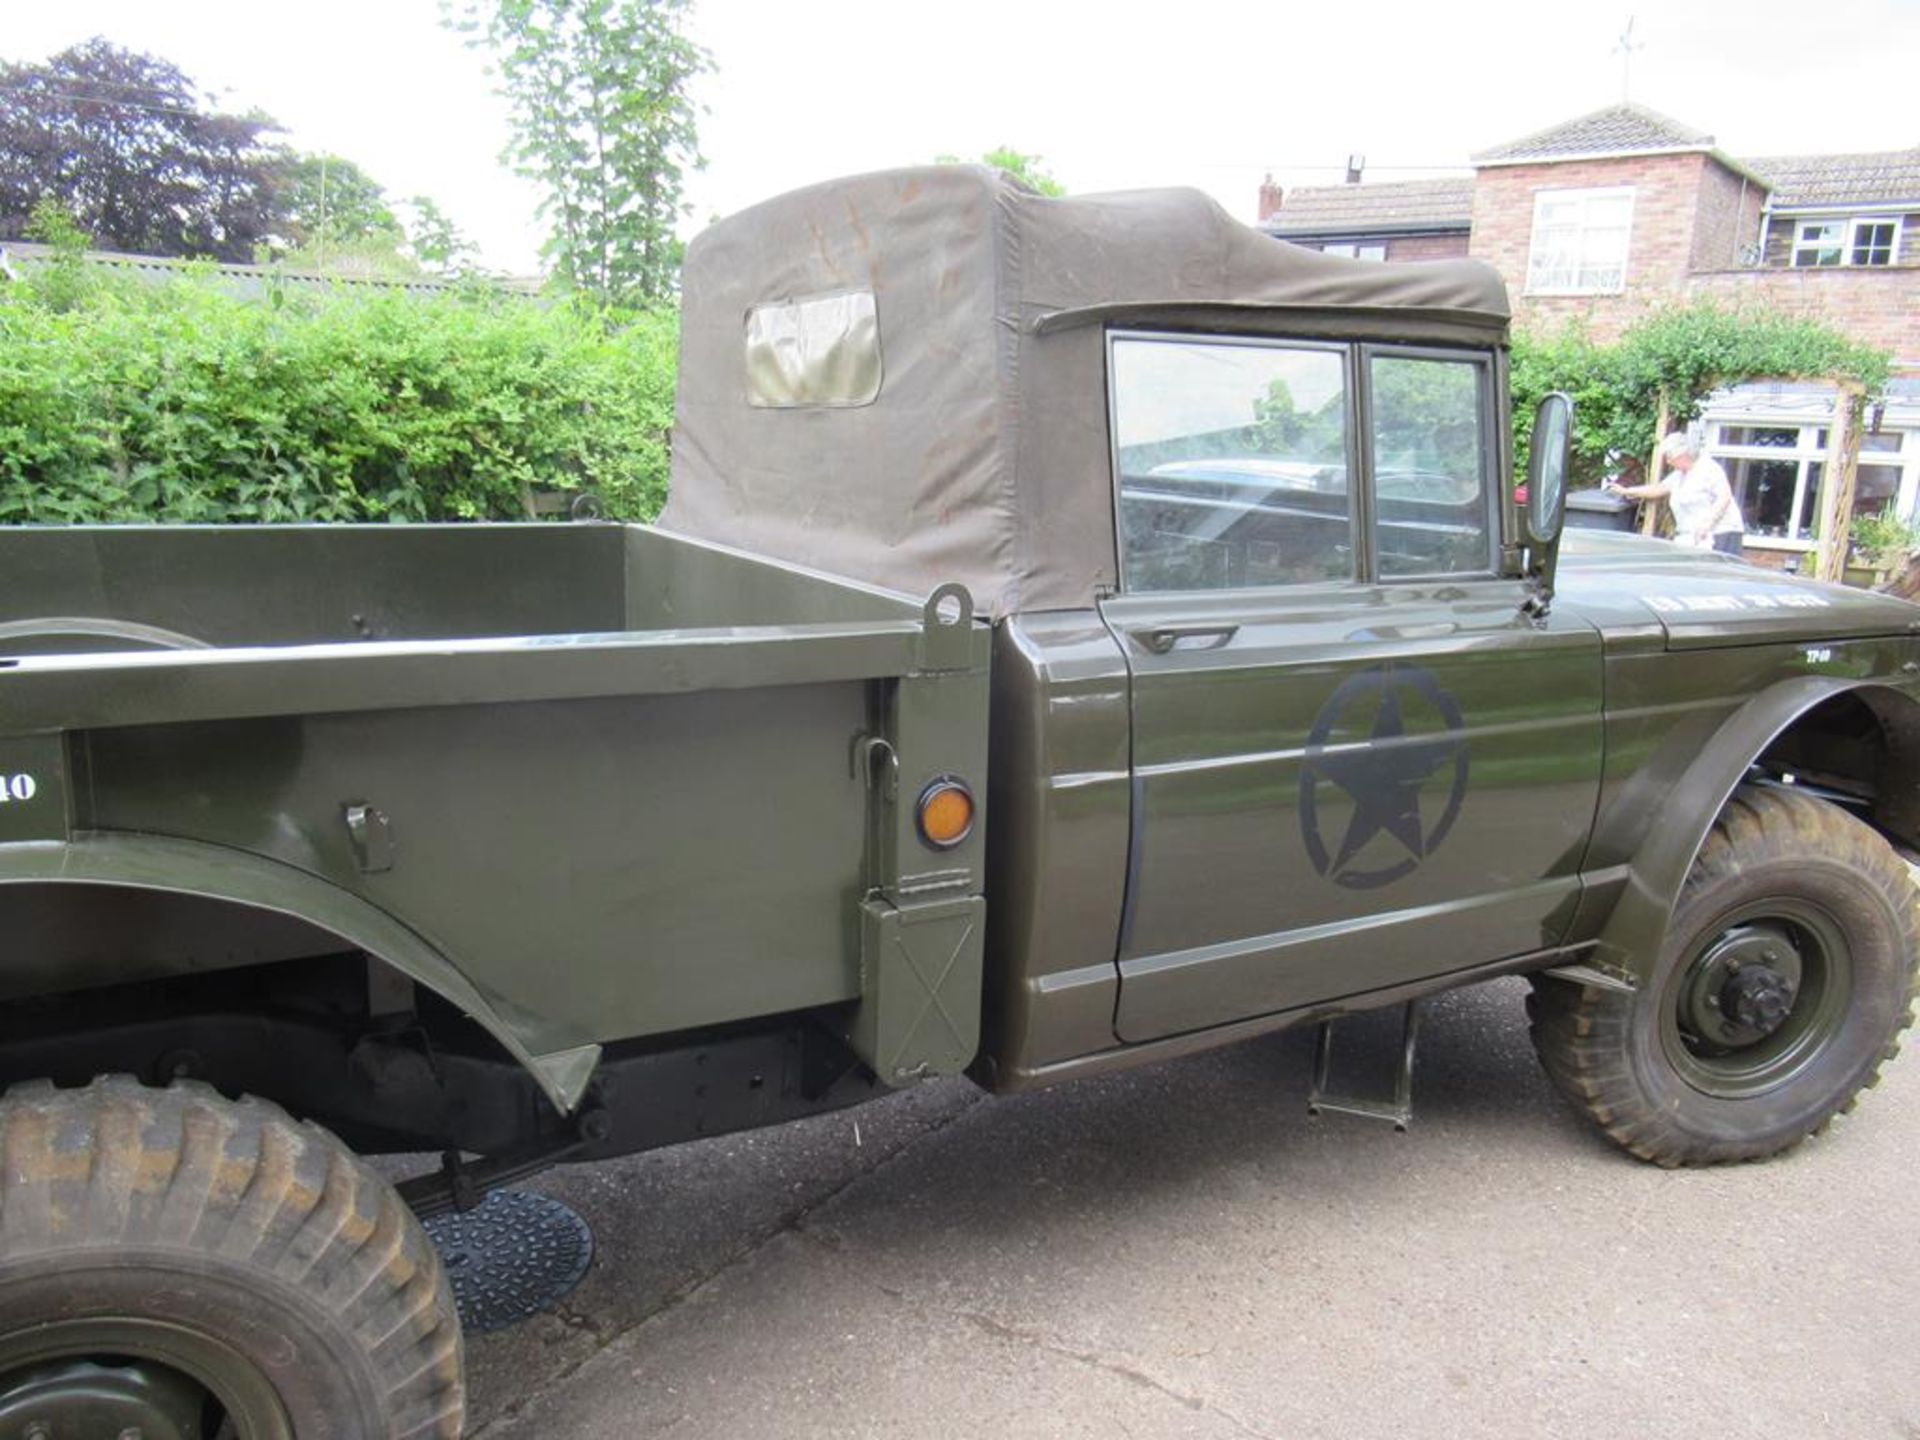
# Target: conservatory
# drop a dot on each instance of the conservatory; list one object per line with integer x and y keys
{"x": 1774, "y": 438}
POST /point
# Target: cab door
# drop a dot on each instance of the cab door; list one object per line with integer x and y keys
{"x": 1356, "y": 760}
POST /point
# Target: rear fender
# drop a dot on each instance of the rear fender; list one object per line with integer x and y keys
{"x": 185, "y": 867}
{"x": 1633, "y": 933}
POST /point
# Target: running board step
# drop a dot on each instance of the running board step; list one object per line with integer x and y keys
{"x": 1598, "y": 976}
{"x": 1397, "y": 1111}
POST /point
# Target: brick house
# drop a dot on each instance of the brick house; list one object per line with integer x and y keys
{"x": 1609, "y": 215}
{"x": 1405, "y": 220}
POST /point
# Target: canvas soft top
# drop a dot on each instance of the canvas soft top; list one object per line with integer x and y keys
{"x": 900, "y": 377}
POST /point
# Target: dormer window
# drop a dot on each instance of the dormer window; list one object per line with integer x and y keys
{"x": 1847, "y": 240}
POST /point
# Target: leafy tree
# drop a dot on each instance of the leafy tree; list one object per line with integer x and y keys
{"x": 603, "y": 122}
{"x": 437, "y": 244}
{"x": 1281, "y": 428}
{"x": 1024, "y": 167}
{"x": 1021, "y": 166}
{"x": 1426, "y": 423}
{"x": 133, "y": 151}
{"x": 66, "y": 283}
{"x": 326, "y": 200}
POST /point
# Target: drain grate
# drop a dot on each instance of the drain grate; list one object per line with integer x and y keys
{"x": 511, "y": 1256}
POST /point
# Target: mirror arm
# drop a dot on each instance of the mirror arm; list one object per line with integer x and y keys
{"x": 1537, "y": 604}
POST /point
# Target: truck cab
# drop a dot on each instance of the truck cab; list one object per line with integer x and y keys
{"x": 1280, "y": 727}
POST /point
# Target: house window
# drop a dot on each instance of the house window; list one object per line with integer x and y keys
{"x": 1776, "y": 471}
{"x": 1580, "y": 242}
{"x": 1859, "y": 240}
{"x": 1356, "y": 250}
{"x": 1874, "y": 242}
{"x": 1882, "y": 479}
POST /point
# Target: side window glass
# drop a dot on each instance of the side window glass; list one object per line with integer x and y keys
{"x": 1429, "y": 466}
{"x": 1232, "y": 462}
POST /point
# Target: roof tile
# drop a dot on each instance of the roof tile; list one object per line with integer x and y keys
{"x": 1401, "y": 204}
{"x": 1616, "y": 129}
{"x": 1883, "y": 177}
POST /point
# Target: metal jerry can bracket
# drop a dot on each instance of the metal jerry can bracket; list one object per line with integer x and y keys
{"x": 919, "y": 1013}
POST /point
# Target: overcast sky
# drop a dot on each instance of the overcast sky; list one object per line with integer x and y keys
{"x": 1199, "y": 92}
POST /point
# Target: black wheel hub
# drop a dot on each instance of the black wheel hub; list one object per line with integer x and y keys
{"x": 1741, "y": 988}
{"x": 130, "y": 1377}
{"x": 1759, "y": 1000}
{"x": 1756, "y": 1000}
{"x": 105, "y": 1399}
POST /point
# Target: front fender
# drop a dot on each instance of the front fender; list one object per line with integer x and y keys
{"x": 1633, "y": 932}
{"x": 214, "y": 872}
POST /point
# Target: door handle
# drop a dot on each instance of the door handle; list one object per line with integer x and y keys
{"x": 1162, "y": 638}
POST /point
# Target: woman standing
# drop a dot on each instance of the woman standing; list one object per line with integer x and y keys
{"x": 1704, "y": 513}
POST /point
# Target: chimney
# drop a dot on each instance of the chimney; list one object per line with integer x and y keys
{"x": 1270, "y": 197}
{"x": 1355, "y": 164}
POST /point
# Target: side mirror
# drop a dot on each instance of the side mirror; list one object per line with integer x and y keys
{"x": 1547, "y": 469}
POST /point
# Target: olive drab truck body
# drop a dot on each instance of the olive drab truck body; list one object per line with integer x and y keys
{"x": 1082, "y": 631}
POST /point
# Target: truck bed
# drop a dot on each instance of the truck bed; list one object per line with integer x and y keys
{"x": 607, "y": 773}
{"x": 317, "y": 584}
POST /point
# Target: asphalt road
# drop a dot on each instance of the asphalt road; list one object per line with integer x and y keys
{"x": 1182, "y": 1251}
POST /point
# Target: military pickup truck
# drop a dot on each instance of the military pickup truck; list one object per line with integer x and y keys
{"x": 1084, "y": 631}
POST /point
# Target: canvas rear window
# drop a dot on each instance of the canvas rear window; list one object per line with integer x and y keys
{"x": 821, "y": 350}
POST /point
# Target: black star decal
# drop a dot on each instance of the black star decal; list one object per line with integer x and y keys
{"x": 1385, "y": 776}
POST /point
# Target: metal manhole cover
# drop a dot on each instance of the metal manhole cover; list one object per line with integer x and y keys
{"x": 510, "y": 1257}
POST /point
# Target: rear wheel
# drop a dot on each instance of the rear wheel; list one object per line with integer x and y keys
{"x": 184, "y": 1267}
{"x": 1785, "y": 980}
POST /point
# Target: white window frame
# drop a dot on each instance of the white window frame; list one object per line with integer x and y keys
{"x": 1906, "y": 457}
{"x": 1852, "y": 224}
{"x": 1805, "y": 452}
{"x": 1584, "y": 262}
{"x": 1809, "y": 449}
{"x": 1357, "y": 249}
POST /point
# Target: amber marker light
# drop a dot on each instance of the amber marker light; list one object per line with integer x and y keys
{"x": 946, "y": 813}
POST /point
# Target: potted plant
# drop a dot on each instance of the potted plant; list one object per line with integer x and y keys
{"x": 1881, "y": 544}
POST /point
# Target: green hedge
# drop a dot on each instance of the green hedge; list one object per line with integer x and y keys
{"x": 125, "y": 401}
{"x": 1684, "y": 352}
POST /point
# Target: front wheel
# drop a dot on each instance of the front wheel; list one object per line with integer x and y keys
{"x": 179, "y": 1266}
{"x": 1784, "y": 982}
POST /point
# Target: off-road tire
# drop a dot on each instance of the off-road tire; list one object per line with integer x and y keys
{"x": 237, "y": 1224}
{"x": 1770, "y": 846}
